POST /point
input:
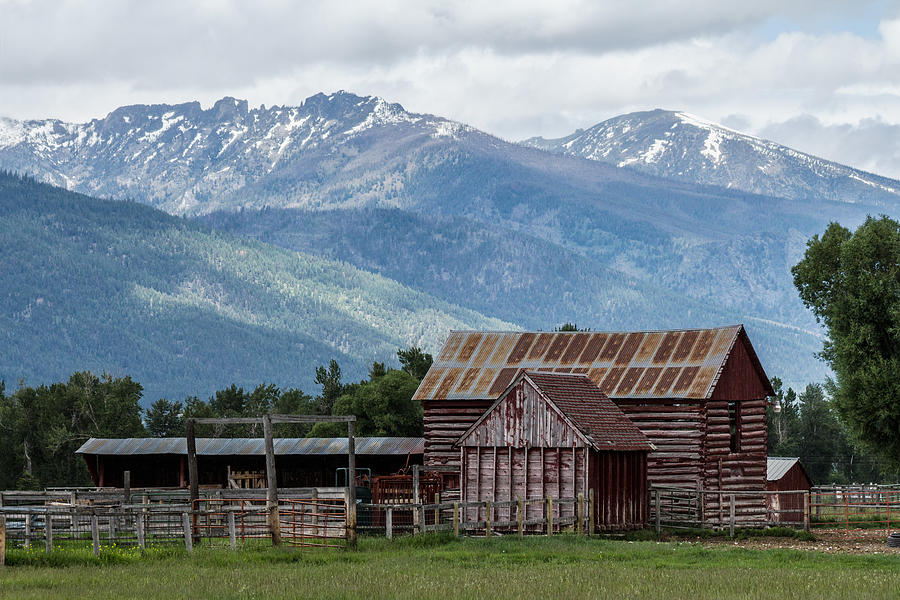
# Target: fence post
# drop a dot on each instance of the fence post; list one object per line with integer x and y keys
{"x": 806, "y": 511}
{"x": 27, "y": 542}
{"x": 549, "y": 515}
{"x": 731, "y": 515}
{"x": 389, "y": 523}
{"x": 421, "y": 512}
{"x": 111, "y": 527}
{"x": 579, "y": 514}
{"x": 186, "y": 524}
{"x": 456, "y": 519}
{"x": 126, "y": 487}
{"x": 591, "y": 511}
{"x": 232, "y": 534}
{"x": 95, "y": 533}
{"x": 2, "y": 537}
{"x": 487, "y": 519}
{"x": 48, "y": 531}
{"x": 520, "y": 515}
{"x": 139, "y": 528}
{"x": 437, "y": 511}
{"x": 656, "y": 500}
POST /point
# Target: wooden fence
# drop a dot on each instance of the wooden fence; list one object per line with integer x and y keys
{"x": 521, "y": 516}
{"x": 685, "y": 508}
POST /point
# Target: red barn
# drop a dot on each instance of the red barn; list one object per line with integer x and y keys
{"x": 558, "y": 435}
{"x": 786, "y": 475}
{"x": 699, "y": 395}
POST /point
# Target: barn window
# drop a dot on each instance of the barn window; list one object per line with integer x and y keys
{"x": 734, "y": 425}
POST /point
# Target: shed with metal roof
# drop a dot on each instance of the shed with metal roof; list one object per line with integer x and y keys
{"x": 556, "y": 435}
{"x": 698, "y": 394}
{"x": 786, "y": 475}
{"x": 300, "y": 462}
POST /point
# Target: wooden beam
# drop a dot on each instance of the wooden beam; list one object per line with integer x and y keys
{"x": 272, "y": 480}
{"x": 351, "y": 475}
{"x": 192, "y": 461}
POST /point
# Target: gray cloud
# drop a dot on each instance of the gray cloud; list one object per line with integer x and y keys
{"x": 872, "y": 144}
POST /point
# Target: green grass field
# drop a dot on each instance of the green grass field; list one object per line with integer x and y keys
{"x": 440, "y": 567}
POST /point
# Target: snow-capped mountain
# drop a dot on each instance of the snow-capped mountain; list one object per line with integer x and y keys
{"x": 187, "y": 160}
{"x": 680, "y": 146}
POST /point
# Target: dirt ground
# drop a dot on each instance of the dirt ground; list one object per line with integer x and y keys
{"x": 832, "y": 541}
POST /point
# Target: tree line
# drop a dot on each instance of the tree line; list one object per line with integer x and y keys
{"x": 42, "y": 427}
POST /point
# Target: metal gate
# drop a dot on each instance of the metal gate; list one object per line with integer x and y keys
{"x": 319, "y": 523}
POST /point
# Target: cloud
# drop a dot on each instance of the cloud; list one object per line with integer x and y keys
{"x": 871, "y": 144}
{"x": 515, "y": 68}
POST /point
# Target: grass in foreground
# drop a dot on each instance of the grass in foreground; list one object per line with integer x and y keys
{"x": 444, "y": 567}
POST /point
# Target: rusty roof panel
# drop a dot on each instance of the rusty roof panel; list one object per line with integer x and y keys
{"x": 701, "y": 382}
{"x": 486, "y": 349}
{"x": 504, "y": 378}
{"x": 520, "y": 350}
{"x": 612, "y": 347}
{"x": 434, "y": 376}
{"x": 504, "y": 346}
{"x": 647, "y": 348}
{"x": 683, "y": 350}
{"x": 451, "y": 346}
{"x": 468, "y": 347}
{"x": 597, "y": 375}
{"x": 540, "y": 346}
{"x": 562, "y": 370}
{"x": 704, "y": 343}
{"x": 629, "y": 347}
{"x": 669, "y": 341}
{"x": 685, "y": 380}
{"x": 484, "y": 383}
{"x": 576, "y": 346}
{"x": 479, "y": 365}
{"x": 557, "y": 347}
{"x": 645, "y": 385}
{"x": 593, "y": 348}
{"x": 666, "y": 381}
{"x": 445, "y": 389}
{"x": 628, "y": 381}
{"x": 612, "y": 379}
{"x": 468, "y": 380}
{"x": 580, "y": 370}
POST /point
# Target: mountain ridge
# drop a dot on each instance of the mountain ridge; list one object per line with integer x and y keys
{"x": 717, "y": 155}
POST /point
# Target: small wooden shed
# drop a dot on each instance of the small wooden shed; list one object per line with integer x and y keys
{"x": 786, "y": 474}
{"x": 557, "y": 435}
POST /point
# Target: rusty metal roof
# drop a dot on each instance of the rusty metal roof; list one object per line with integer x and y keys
{"x": 636, "y": 364}
{"x": 254, "y": 446}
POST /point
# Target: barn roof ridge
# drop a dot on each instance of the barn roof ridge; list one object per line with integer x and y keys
{"x": 673, "y": 363}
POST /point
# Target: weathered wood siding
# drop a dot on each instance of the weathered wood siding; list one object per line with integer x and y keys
{"x": 620, "y": 483}
{"x": 445, "y": 422}
{"x": 524, "y": 418}
{"x": 676, "y": 429}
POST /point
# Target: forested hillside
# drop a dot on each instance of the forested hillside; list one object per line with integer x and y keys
{"x": 119, "y": 287}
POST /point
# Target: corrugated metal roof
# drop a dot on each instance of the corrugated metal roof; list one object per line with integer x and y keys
{"x": 254, "y": 446}
{"x": 637, "y": 364}
{"x": 778, "y": 466}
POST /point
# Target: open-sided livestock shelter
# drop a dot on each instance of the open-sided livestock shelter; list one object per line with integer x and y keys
{"x": 699, "y": 395}
{"x": 559, "y": 436}
{"x": 300, "y": 462}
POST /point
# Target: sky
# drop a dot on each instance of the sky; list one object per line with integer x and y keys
{"x": 821, "y": 76}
